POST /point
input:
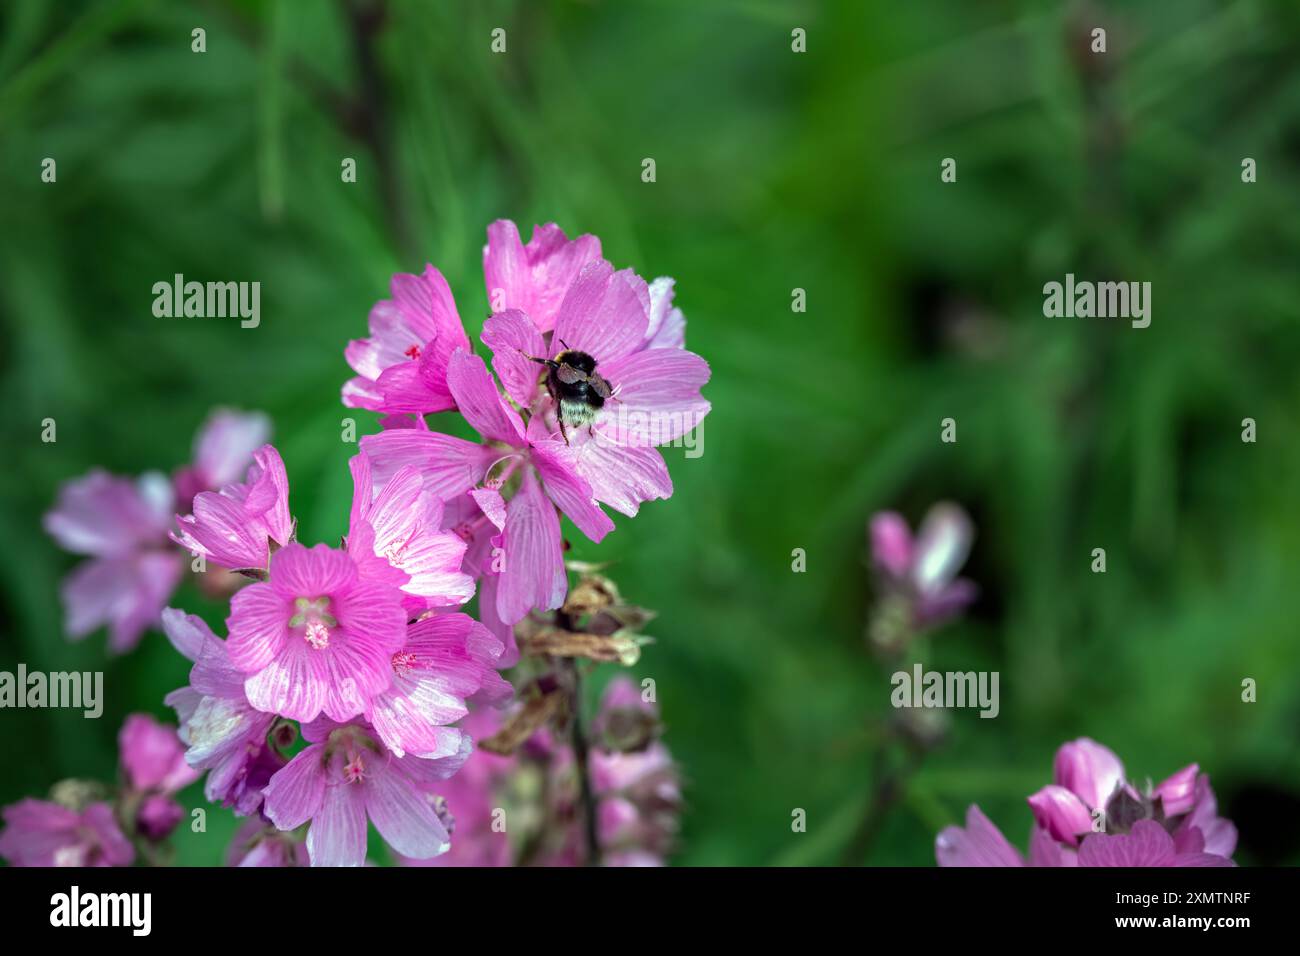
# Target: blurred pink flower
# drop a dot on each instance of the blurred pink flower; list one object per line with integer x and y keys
{"x": 223, "y": 449}
{"x": 123, "y": 526}
{"x": 257, "y": 843}
{"x": 152, "y": 756}
{"x": 39, "y": 833}
{"x": 923, "y": 571}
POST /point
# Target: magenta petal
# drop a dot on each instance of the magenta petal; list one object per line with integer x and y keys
{"x": 515, "y": 342}
{"x": 1061, "y": 813}
{"x": 1089, "y": 770}
{"x": 621, "y": 476}
{"x": 891, "y": 543}
{"x": 295, "y": 684}
{"x": 100, "y": 514}
{"x": 980, "y": 843}
{"x": 534, "y": 575}
{"x": 656, "y": 397}
{"x": 296, "y": 790}
{"x": 1178, "y": 793}
{"x": 492, "y": 505}
{"x": 1147, "y": 844}
{"x": 488, "y": 588}
{"x": 533, "y": 278}
{"x": 667, "y": 328}
{"x": 299, "y": 571}
{"x": 187, "y": 632}
{"x": 605, "y": 313}
{"x": 480, "y": 402}
{"x": 402, "y": 816}
{"x": 224, "y": 447}
{"x": 449, "y": 466}
{"x": 1044, "y": 851}
{"x": 258, "y": 626}
{"x": 569, "y": 490}
{"x": 338, "y": 830}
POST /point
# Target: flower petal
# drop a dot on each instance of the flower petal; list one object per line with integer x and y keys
{"x": 656, "y": 397}
{"x": 534, "y": 575}
{"x": 449, "y": 466}
{"x": 515, "y": 342}
{"x": 338, "y": 830}
{"x": 296, "y": 790}
{"x": 480, "y": 402}
{"x": 605, "y": 313}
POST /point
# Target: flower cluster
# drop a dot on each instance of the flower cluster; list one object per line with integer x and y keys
{"x": 591, "y": 374}
{"x": 86, "y": 823}
{"x": 336, "y": 697}
{"x": 122, "y": 524}
{"x": 1090, "y": 815}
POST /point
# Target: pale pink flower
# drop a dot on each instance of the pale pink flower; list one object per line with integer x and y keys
{"x": 223, "y": 450}
{"x": 317, "y": 636}
{"x": 238, "y": 526}
{"x": 922, "y": 572}
{"x": 40, "y": 833}
{"x": 346, "y": 776}
{"x": 122, "y": 525}
{"x": 404, "y": 529}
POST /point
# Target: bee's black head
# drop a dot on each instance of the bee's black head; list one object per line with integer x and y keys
{"x": 574, "y": 359}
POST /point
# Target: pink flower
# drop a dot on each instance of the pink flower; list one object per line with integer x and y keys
{"x": 1061, "y": 814}
{"x": 401, "y": 525}
{"x": 980, "y": 843}
{"x": 402, "y": 367}
{"x": 225, "y": 735}
{"x": 1174, "y": 824}
{"x": 122, "y": 525}
{"x": 446, "y": 660}
{"x": 533, "y": 278}
{"x": 1088, "y": 770}
{"x": 561, "y": 310}
{"x": 223, "y": 450}
{"x": 344, "y": 777}
{"x": 158, "y": 816}
{"x": 923, "y": 572}
{"x": 236, "y": 526}
{"x": 152, "y": 756}
{"x": 317, "y": 637}
{"x": 39, "y": 833}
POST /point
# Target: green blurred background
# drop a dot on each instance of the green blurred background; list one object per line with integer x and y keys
{"x": 775, "y": 170}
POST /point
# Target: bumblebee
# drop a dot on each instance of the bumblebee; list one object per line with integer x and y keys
{"x": 578, "y": 390}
